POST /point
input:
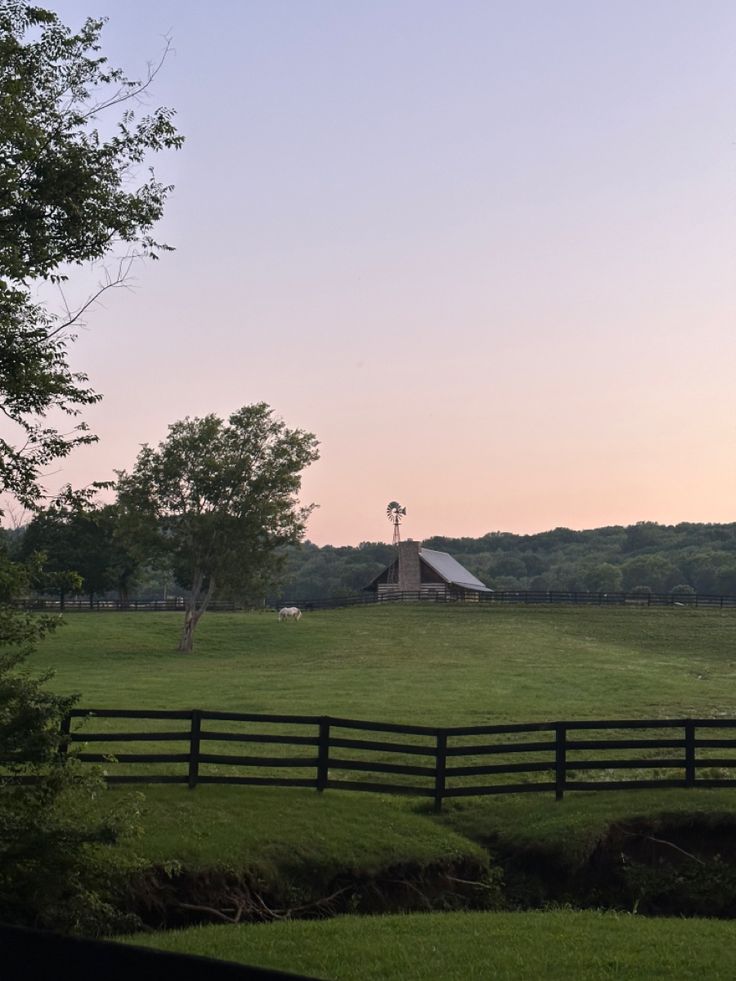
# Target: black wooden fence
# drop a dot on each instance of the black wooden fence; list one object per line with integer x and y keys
{"x": 430, "y": 596}
{"x": 324, "y": 753}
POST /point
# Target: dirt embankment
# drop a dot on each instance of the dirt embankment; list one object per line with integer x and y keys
{"x": 679, "y": 865}
{"x": 166, "y": 898}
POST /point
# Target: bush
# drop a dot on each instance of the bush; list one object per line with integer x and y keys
{"x": 56, "y": 869}
{"x": 683, "y": 591}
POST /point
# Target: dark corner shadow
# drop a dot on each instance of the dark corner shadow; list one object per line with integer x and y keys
{"x": 36, "y": 955}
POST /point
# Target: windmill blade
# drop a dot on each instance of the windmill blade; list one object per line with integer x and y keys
{"x": 394, "y": 511}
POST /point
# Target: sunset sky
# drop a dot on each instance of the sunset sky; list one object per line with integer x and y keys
{"x": 484, "y": 250}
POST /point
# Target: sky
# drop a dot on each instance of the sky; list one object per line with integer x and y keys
{"x": 484, "y": 250}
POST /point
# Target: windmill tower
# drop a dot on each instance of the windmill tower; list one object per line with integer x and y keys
{"x": 394, "y": 513}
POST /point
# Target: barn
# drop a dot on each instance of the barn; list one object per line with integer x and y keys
{"x": 424, "y": 573}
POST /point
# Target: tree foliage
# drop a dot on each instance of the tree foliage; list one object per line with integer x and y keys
{"x": 68, "y": 196}
{"x": 220, "y": 497}
{"x": 82, "y": 548}
{"x": 53, "y": 868}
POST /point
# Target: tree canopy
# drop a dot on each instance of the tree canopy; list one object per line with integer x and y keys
{"x": 68, "y": 196}
{"x": 221, "y": 498}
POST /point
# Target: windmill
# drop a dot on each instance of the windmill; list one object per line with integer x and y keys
{"x": 394, "y": 513}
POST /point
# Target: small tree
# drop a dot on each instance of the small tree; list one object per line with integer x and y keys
{"x": 221, "y": 498}
{"x": 684, "y": 593}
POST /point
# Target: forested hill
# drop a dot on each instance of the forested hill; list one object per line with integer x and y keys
{"x": 660, "y": 557}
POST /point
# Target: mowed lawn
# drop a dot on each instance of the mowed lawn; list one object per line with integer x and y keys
{"x": 414, "y": 664}
{"x": 556, "y": 946}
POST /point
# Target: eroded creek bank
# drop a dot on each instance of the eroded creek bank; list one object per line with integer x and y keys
{"x": 684, "y": 866}
{"x": 166, "y": 898}
{"x": 678, "y": 866}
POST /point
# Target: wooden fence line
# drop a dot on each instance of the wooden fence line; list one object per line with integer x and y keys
{"x": 447, "y": 758}
{"x": 428, "y": 596}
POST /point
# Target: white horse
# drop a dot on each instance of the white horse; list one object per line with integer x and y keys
{"x": 290, "y": 613}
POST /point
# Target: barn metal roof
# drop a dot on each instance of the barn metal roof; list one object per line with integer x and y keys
{"x": 451, "y": 570}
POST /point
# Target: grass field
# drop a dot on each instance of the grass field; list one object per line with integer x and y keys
{"x": 460, "y": 665}
{"x": 451, "y": 666}
{"x": 448, "y": 666}
{"x": 556, "y": 946}
{"x": 297, "y": 832}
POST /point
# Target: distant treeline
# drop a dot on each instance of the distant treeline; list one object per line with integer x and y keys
{"x": 647, "y": 555}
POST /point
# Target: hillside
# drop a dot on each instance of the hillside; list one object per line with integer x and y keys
{"x": 414, "y": 664}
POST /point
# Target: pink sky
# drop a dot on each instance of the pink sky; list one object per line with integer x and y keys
{"x": 485, "y": 251}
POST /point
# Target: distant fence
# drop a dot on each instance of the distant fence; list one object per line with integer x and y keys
{"x": 77, "y": 604}
{"x": 536, "y": 597}
{"x": 327, "y": 753}
{"x": 543, "y": 597}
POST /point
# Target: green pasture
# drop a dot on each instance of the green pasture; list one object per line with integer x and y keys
{"x": 413, "y": 664}
{"x": 553, "y": 945}
{"x": 424, "y": 665}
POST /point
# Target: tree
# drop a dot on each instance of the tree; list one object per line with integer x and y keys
{"x": 221, "y": 498}
{"x": 77, "y": 536}
{"x": 67, "y": 197}
{"x": 684, "y": 593}
{"x": 650, "y": 570}
{"x": 604, "y": 578}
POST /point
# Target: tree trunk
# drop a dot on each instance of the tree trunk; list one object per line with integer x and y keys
{"x": 195, "y": 607}
{"x": 186, "y": 643}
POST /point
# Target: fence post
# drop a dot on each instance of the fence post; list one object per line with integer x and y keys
{"x": 560, "y": 760}
{"x": 194, "y": 748}
{"x": 689, "y": 753}
{"x": 323, "y": 754}
{"x": 64, "y": 733}
{"x": 439, "y": 773}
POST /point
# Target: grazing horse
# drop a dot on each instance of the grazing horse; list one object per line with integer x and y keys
{"x": 290, "y": 613}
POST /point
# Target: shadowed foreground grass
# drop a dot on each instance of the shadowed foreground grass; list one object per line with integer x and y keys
{"x": 556, "y": 946}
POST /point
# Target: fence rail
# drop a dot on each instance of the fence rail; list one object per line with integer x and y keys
{"x": 523, "y": 597}
{"x": 429, "y": 596}
{"x": 329, "y": 753}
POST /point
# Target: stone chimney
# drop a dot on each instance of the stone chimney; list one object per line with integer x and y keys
{"x": 410, "y": 579}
